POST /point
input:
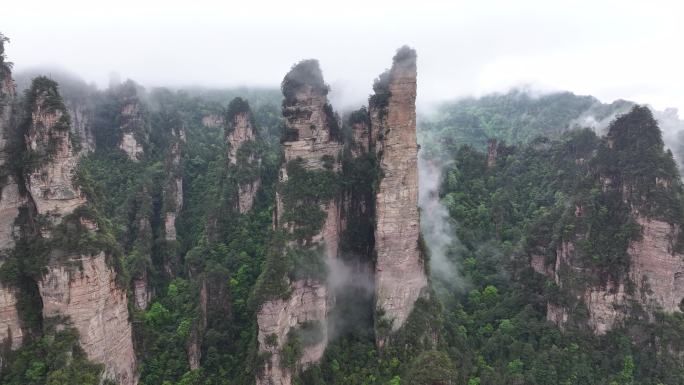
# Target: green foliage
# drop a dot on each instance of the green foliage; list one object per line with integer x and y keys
{"x": 237, "y": 106}
{"x": 303, "y": 194}
{"x": 306, "y": 72}
{"x": 291, "y": 351}
{"x": 54, "y": 359}
{"x": 431, "y": 368}
{"x": 5, "y": 66}
{"x": 518, "y": 116}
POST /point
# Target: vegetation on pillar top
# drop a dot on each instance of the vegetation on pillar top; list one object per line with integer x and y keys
{"x": 634, "y": 159}
{"x": 5, "y": 66}
{"x": 305, "y": 73}
{"x": 236, "y": 107}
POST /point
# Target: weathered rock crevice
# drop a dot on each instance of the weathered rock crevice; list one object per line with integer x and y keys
{"x": 76, "y": 289}
{"x": 354, "y": 214}
{"x": 311, "y": 142}
{"x": 244, "y": 155}
{"x": 400, "y": 276}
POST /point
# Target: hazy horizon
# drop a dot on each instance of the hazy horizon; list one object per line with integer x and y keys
{"x": 609, "y": 49}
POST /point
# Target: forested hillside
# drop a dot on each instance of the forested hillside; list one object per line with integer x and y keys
{"x": 241, "y": 236}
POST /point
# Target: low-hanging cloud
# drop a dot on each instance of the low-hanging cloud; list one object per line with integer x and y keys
{"x": 437, "y": 226}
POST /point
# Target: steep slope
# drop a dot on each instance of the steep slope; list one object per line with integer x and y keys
{"x": 78, "y": 286}
{"x": 10, "y": 202}
{"x": 626, "y": 243}
{"x": 309, "y": 218}
{"x": 243, "y": 151}
{"x": 400, "y": 276}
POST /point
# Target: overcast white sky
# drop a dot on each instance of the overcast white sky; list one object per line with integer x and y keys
{"x": 611, "y": 49}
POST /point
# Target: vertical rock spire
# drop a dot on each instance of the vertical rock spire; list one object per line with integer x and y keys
{"x": 10, "y": 202}
{"x": 243, "y": 151}
{"x": 400, "y": 272}
{"x": 311, "y": 150}
{"x": 86, "y": 298}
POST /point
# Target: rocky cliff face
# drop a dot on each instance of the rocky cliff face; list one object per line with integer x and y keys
{"x": 134, "y": 130}
{"x": 97, "y": 308}
{"x": 77, "y": 290}
{"x": 242, "y": 138}
{"x": 311, "y": 140}
{"x": 173, "y": 192}
{"x": 648, "y": 273}
{"x": 276, "y": 319}
{"x": 81, "y": 125}
{"x": 656, "y": 267}
{"x": 400, "y": 274}
{"x": 10, "y": 202}
{"x": 48, "y": 139}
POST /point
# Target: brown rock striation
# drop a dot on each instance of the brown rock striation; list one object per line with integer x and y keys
{"x": 97, "y": 308}
{"x": 134, "y": 130}
{"x": 311, "y": 137}
{"x": 11, "y": 200}
{"x": 277, "y": 318}
{"x": 86, "y": 298}
{"x": 400, "y": 277}
{"x": 48, "y": 139}
{"x": 641, "y": 187}
{"x": 242, "y": 137}
{"x": 173, "y": 192}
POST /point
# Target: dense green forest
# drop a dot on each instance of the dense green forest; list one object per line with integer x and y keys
{"x": 489, "y": 320}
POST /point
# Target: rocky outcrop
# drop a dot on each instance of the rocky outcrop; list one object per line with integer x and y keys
{"x": 142, "y": 251}
{"x": 97, "y": 308}
{"x": 142, "y": 294}
{"x": 656, "y": 267}
{"x": 492, "y": 151}
{"x": 242, "y": 138}
{"x": 361, "y": 132}
{"x": 129, "y": 145}
{"x": 81, "y": 125}
{"x": 134, "y": 127}
{"x": 173, "y": 192}
{"x": 11, "y": 200}
{"x": 11, "y": 332}
{"x": 48, "y": 140}
{"x": 400, "y": 276}
{"x": 312, "y": 139}
{"x": 639, "y": 185}
{"x": 278, "y": 318}
{"x": 76, "y": 290}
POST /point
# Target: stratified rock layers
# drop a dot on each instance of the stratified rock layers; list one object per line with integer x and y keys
{"x": 76, "y": 290}
{"x": 97, "y": 308}
{"x": 307, "y": 114}
{"x": 640, "y": 183}
{"x": 10, "y": 201}
{"x": 400, "y": 272}
{"x": 173, "y": 192}
{"x": 240, "y": 134}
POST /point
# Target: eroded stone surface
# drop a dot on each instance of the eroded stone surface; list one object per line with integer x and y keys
{"x": 308, "y": 303}
{"x": 10, "y": 201}
{"x": 97, "y": 308}
{"x": 51, "y": 184}
{"x": 173, "y": 192}
{"x": 10, "y": 327}
{"x": 400, "y": 273}
{"x": 307, "y": 120}
{"x": 655, "y": 269}
{"x": 241, "y": 131}
{"x": 132, "y": 124}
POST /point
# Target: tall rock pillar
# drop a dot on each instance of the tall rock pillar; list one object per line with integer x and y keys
{"x": 10, "y": 201}
{"x": 311, "y": 148}
{"x": 400, "y": 276}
